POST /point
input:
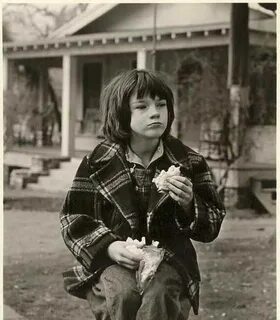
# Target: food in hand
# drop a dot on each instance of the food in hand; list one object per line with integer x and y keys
{"x": 151, "y": 259}
{"x": 135, "y": 245}
{"x": 160, "y": 180}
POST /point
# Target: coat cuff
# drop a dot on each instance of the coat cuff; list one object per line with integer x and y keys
{"x": 97, "y": 253}
{"x": 189, "y": 221}
{"x": 207, "y": 220}
{"x": 184, "y": 219}
{"x": 197, "y": 206}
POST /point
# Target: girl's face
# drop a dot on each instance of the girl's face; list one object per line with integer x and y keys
{"x": 149, "y": 116}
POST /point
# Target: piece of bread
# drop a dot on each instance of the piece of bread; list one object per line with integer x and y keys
{"x": 160, "y": 180}
{"x": 151, "y": 257}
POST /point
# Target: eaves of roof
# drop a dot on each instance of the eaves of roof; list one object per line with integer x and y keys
{"x": 131, "y": 40}
{"x": 99, "y": 9}
{"x": 77, "y": 23}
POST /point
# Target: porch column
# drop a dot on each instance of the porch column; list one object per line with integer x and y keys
{"x": 8, "y": 84}
{"x": 79, "y": 99}
{"x": 8, "y": 73}
{"x": 175, "y": 124}
{"x": 144, "y": 59}
{"x": 5, "y": 73}
{"x": 69, "y": 71}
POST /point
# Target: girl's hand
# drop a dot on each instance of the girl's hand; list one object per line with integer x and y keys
{"x": 180, "y": 189}
{"x": 118, "y": 252}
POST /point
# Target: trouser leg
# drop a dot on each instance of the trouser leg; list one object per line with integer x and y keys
{"x": 97, "y": 301}
{"x": 121, "y": 299}
{"x": 164, "y": 299}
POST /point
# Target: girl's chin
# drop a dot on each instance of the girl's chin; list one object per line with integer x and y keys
{"x": 149, "y": 134}
{"x": 158, "y": 132}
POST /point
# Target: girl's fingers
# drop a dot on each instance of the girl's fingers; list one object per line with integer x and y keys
{"x": 174, "y": 188}
{"x": 180, "y": 179}
{"x": 128, "y": 262}
{"x": 182, "y": 202}
{"x": 181, "y": 190}
{"x": 130, "y": 255}
{"x": 128, "y": 266}
{"x": 174, "y": 196}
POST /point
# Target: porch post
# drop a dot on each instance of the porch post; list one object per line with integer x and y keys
{"x": 5, "y": 73}
{"x": 69, "y": 71}
{"x": 144, "y": 59}
{"x": 175, "y": 125}
{"x": 8, "y": 73}
{"x": 80, "y": 98}
{"x": 8, "y": 84}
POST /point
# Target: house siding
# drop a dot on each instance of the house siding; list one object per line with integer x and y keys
{"x": 262, "y": 142}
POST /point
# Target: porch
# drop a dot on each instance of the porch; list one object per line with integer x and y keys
{"x": 87, "y": 62}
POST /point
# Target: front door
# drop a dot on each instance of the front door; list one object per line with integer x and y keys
{"x": 92, "y": 82}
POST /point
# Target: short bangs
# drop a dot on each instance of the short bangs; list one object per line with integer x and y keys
{"x": 149, "y": 84}
{"x": 114, "y": 101}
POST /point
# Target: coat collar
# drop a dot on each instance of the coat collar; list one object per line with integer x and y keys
{"x": 113, "y": 180}
{"x": 134, "y": 158}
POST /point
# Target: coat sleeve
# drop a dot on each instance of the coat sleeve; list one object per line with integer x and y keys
{"x": 204, "y": 220}
{"x": 84, "y": 233}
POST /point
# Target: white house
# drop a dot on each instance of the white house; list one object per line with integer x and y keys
{"x": 109, "y": 38}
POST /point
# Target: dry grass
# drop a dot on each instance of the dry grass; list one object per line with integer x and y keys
{"x": 238, "y": 276}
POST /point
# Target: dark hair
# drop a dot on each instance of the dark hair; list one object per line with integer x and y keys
{"x": 114, "y": 101}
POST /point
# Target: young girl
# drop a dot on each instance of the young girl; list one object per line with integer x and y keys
{"x": 113, "y": 197}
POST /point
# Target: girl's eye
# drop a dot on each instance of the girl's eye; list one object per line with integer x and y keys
{"x": 141, "y": 106}
{"x": 162, "y": 104}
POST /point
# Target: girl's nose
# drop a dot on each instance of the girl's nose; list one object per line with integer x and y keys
{"x": 154, "y": 112}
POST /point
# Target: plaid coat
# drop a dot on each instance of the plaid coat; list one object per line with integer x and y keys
{"x": 100, "y": 208}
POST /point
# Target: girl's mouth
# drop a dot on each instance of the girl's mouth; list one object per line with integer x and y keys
{"x": 155, "y": 124}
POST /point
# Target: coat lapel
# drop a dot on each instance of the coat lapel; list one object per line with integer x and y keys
{"x": 112, "y": 178}
{"x": 114, "y": 182}
{"x": 165, "y": 162}
{"x": 157, "y": 199}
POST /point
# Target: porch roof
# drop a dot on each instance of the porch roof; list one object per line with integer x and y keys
{"x": 144, "y": 36}
{"x": 120, "y": 42}
{"x": 96, "y": 10}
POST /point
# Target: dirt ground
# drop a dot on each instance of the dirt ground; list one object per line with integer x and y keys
{"x": 238, "y": 271}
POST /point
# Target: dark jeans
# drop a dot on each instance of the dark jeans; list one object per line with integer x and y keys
{"x": 115, "y": 296}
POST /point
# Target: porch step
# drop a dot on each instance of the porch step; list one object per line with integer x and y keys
{"x": 19, "y": 178}
{"x": 264, "y": 191}
{"x": 59, "y": 179}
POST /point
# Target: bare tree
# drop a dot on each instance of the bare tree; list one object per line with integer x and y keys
{"x": 38, "y": 21}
